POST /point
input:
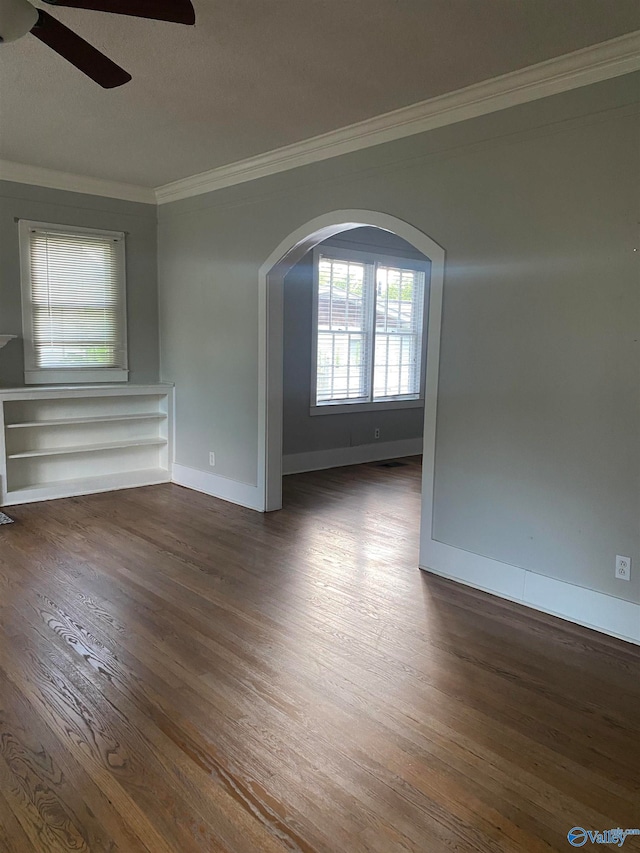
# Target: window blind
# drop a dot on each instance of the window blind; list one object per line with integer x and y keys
{"x": 369, "y": 329}
{"x": 344, "y": 336}
{"x": 398, "y": 332}
{"x": 76, "y": 299}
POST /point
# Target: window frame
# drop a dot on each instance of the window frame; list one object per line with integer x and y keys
{"x": 34, "y": 375}
{"x": 360, "y": 255}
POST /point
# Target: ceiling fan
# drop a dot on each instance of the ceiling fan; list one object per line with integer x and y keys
{"x": 19, "y": 17}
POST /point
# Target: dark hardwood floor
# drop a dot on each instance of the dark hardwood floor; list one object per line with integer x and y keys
{"x": 178, "y": 674}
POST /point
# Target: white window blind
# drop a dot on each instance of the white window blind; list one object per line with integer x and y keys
{"x": 73, "y": 304}
{"x": 369, "y": 328}
{"x": 398, "y": 332}
{"x": 344, "y": 337}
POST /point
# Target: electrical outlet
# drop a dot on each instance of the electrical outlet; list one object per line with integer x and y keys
{"x": 212, "y": 459}
{"x": 623, "y": 568}
{"x": 376, "y": 432}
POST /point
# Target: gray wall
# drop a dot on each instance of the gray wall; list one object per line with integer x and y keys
{"x": 302, "y": 432}
{"x": 538, "y": 459}
{"x": 23, "y": 201}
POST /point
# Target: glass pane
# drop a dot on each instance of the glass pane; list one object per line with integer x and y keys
{"x": 73, "y": 356}
{"x": 397, "y": 299}
{"x": 340, "y": 295}
{"x": 76, "y": 289}
{"x": 340, "y": 367}
{"x": 398, "y": 346}
{"x": 341, "y": 323}
{"x": 397, "y": 365}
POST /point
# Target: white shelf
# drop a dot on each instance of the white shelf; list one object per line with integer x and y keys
{"x": 64, "y": 441}
{"x": 68, "y": 392}
{"x": 88, "y": 448}
{"x": 87, "y": 486}
{"x": 149, "y": 416}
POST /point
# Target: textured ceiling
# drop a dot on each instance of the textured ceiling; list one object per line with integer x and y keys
{"x": 254, "y": 75}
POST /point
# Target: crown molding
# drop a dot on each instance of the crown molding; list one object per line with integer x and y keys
{"x": 21, "y": 173}
{"x": 602, "y": 61}
{"x": 571, "y": 71}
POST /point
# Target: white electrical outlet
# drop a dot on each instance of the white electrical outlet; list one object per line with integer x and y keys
{"x": 212, "y": 459}
{"x": 376, "y": 432}
{"x": 623, "y": 568}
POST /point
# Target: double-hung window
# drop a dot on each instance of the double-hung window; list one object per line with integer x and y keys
{"x": 73, "y": 304}
{"x": 368, "y": 330}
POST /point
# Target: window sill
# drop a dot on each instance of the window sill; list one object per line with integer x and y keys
{"x": 52, "y": 376}
{"x": 351, "y": 408}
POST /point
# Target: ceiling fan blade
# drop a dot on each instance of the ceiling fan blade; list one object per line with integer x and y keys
{"x": 178, "y": 11}
{"x": 79, "y": 52}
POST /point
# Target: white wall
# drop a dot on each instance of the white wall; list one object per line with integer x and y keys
{"x": 537, "y": 456}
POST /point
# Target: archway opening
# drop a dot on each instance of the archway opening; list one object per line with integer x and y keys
{"x": 272, "y": 275}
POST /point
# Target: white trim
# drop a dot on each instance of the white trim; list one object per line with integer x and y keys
{"x": 612, "y": 58}
{"x": 596, "y": 610}
{"x": 338, "y": 457}
{"x": 315, "y": 284}
{"x": 371, "y": 260}
{"x": 159, "y": 436}
{"x": 3, "y": 457}
{"x": 379, "y": 406}
{"x": 605, "y": 613}
{"x": 217, "y": 486}
{"x": 36, "y": 375}
{"x": 21, "y": 173}
{"x": 270, "y": 334}
{"x": 52, "y": 376}
{"x": 583, "y": 67}
{"x": 56, "y": 392}
{"x": 384, "y": 256}
{"x": 87, "y": 486}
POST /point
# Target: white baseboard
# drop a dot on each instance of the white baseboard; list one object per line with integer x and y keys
{"x": 218, "y": 487}
{"x": 596, "y": 610}
{"x": 337, "y": 457}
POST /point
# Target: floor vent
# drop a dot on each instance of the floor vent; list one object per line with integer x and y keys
{"x": 4, "y": 519}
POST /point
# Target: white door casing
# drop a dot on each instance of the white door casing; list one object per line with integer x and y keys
{"x": 270, "y": 341}
{"x": 583, "y": 606}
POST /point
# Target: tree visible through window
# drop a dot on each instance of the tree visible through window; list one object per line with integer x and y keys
{"x": 369, "y": 312}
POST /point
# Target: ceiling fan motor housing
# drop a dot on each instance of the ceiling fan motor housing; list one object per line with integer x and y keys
{"x": 17, "y": 18}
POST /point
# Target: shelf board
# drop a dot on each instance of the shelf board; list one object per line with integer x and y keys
{"x": 97, "y": 419}
{"x": 86, "y": 486}
{"x": 89, "y": 448}
{"x": 72, "y": 392}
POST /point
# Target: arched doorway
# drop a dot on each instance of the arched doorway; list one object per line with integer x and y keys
{"x": 271, "y": 283}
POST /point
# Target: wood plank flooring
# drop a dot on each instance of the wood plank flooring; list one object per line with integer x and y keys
{"x": 180, "y": 675}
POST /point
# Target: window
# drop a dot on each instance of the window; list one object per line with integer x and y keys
{"x": 73, "y": 304}
{"x": 368, "y": 329}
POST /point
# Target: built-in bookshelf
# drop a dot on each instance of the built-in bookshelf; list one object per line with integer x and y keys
{"x": 63, "y": 441}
